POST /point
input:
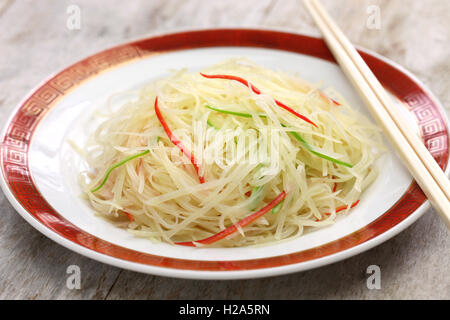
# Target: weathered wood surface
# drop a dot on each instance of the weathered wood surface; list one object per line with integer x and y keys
{"x": 34, "y": 42}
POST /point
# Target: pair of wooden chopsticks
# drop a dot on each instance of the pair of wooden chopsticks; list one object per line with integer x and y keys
{"x": 431, "y": 179}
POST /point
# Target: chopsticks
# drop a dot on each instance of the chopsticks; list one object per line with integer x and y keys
{"x": 431, "y": 179}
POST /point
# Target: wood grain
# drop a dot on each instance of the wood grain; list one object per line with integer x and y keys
{"x": 35, "y": 42}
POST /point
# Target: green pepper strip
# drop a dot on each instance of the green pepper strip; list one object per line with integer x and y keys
{"x": 256, "y": 195}
{"x": 114, "y": 166}
{"x": 321, "y": 155}
{"x": 277, "y": 207}
{"x": 234, "y": 113}
{"x": 296, "y": 135}
{"x": 209, "y": 123}
{"x": 255, "y": 202}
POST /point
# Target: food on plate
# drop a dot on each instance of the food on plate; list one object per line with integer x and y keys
{"x": 235, "y": 155}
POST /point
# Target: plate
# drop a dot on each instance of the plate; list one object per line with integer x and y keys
{"x": 39, "y": 167}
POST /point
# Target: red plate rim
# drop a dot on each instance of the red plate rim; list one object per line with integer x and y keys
{"x": 19, "y": 132}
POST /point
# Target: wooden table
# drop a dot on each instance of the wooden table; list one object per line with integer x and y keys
{"x": 35, "y": 42}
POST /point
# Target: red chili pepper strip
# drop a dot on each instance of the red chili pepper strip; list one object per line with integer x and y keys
{"x": 334, "y": 101}
{"x": 327, "y": 97}
{"x": 257, "y": 91}
{"x": 235, "y": 78}
{"x": 176, "y": 141}
{"x": 129, "y": 216}
{"x": 339, "y": 209}
{"x": 285, "y": 107}
{"x": 335, "y": 184}
{"x": 244, "y": 222}
{"x": 342, "y": 208}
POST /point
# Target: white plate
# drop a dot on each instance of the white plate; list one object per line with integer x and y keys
{"x": 40, "y": 169}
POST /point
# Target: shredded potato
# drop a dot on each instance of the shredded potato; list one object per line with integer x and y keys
{"x": 246, "y": 161}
